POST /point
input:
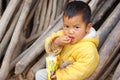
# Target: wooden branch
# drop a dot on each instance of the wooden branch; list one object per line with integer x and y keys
{"x": 9, "y": 33}
{"x": 35, "y": 49}
{"x": 24, "y": 73}
{"x": 7, "y": 1}
{"x": 106, "y": 51}
{"x": 48, "y": 15}
{"x": 39, "y": 65}
{"x": 32, "y": 39}
{"x": 42, "y": 17}
{"x": 36, "y": 21}
{"x": 71, "y": 0}
{"x": 99, "y": 6}
{"x": 0, "y": 8}
{"x": 116, "y": 75}
{"x": 30, "y": 16}
{"x": 103, "y": 10}
{"x": 86, "y": 1}
{"x": 20, "y": 77}
{"x": 110, "y": 68}
{"x": 15, "y": 39}
{"x": 13, "y": 63}
{"x": 59, "y": 7}
{"x": 54, "y": 8}
{"x": 108, "y": 25}
{"x": 93, "y": 4}
{"x": 19, "y": 47}
{"x": 7, "y": 16}
{"x": 27, "y": 50}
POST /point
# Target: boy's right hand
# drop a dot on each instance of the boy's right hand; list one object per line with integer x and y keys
{"x": 65, "y": 64}
{"x": 61, "y": 41}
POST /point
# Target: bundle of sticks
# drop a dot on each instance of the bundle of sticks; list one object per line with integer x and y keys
{"x": 25, "y": 24}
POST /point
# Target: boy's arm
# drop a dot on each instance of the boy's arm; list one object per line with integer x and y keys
{"x": 48, "y": 43}
{"x": 86, "y": 62}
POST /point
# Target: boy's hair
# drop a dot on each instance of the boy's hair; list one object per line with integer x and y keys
{"x": 78, "y": 7}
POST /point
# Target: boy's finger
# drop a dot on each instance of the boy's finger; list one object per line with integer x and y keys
{"x": 53, "y": 77}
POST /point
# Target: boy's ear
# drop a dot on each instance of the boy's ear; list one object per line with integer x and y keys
{"x": 89, "y": 25}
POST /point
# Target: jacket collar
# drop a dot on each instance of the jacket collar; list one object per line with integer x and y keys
{"x": 91, "y": 33}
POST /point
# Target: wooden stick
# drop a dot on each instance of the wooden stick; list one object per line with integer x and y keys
{"x": 59, "y": 7}
{"x": 35, "y": 43}
{"x": 24, "y": 73}
{"x": 13, "y": 63}
{"x": 39, "y": 65}
{"x": 116, "y": 75}
{"x": 0, "y": 8}
{"x": 110, "y": 68}
{"x": 9, "y": 33}
{"x": 7, "y": 16}
{"x": 54, "y": 8}
{"x": 20, "y": 77}
{"x": 103, "y": 10}
{"x": 35, "y": 51}
{"x": 86, "y": 1}
{"x": 30, "y": 40}
{"x": 19, "y": 47}
{"x": 99, "y": 6}
{"x": 48, "y": 15}
{"x": 106, "y": 51}
{"x": 36, "y": 21}
{"x": 93, "y": 4}
{"x": 108, "y": 25}
{"x": 7, "y": 1}
{"x": 42, "y": 17}
{"x": 15, "y": 39}
{"x": 30, "y": 16}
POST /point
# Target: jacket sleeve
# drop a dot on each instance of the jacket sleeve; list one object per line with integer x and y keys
{"x": 48, "y": 43}
{"x": 86, "y": 62}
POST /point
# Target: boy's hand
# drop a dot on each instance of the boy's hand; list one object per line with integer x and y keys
{"x": 53, "y": 77}
{"x": 65, "y": 64}
{"x": 61, "y": 41}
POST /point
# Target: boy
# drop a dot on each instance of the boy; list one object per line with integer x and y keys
{"x": 76, "y": 44}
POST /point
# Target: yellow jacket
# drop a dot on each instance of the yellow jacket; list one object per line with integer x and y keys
{"x": 83, "y": 54}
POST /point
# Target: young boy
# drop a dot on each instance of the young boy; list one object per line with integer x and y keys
{"x": 76, "y": 44}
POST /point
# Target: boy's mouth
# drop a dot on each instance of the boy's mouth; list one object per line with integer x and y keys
{"x": 72, "y": 38}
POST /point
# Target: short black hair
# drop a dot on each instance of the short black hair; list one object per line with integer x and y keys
{"x": 78, "y": 7}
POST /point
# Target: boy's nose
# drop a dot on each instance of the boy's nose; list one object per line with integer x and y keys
{"x": 71, "y": 31}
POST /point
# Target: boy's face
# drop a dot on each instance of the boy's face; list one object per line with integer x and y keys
{"x": 75, "y": 28}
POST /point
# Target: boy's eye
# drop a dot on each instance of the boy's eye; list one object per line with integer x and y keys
{"x": 77, "y": 27}
{"x": 66, "y": 26}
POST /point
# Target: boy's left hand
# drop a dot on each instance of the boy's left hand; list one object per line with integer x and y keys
{"x": 53, "y": 77}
